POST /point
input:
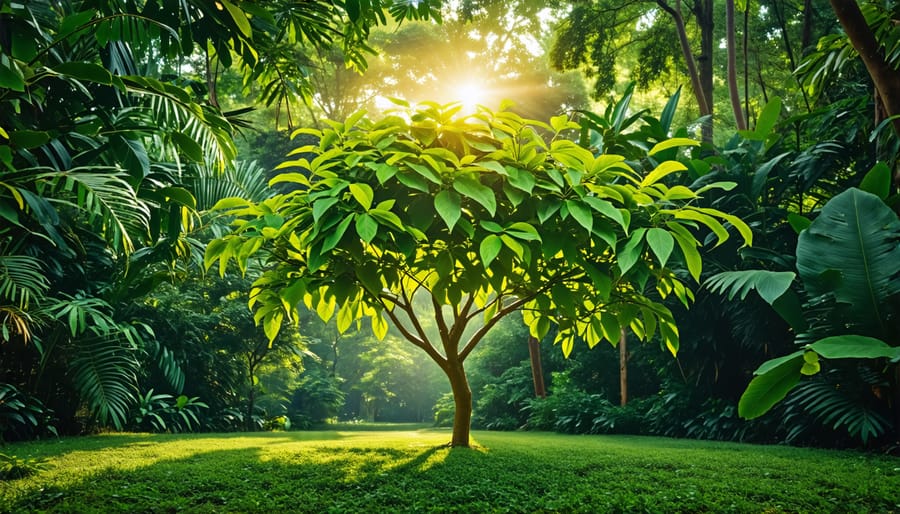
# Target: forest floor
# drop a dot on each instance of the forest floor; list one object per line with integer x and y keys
{"x": 410, "y": 470}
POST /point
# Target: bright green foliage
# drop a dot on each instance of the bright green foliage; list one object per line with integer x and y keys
{"x": 488, "y": 214}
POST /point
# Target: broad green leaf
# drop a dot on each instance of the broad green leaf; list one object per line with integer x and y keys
{"x": 688, "y": 246}
{"x": 11, "y": 76}
{"x": 471, "y": 188}
{"x": 188, "y": 146}
{"x": 877, "y": 181}
{"x": 524, "y": 231}
{"x": 854, "y": 347}
{"x": 855, "y": 236}
{"x": 661, "y": 243}
{"x": 28, "y": 139}
{"x": 581, "y": 213}
{"x": 607, "y": 209}
{"x": 379, "y": 326}
{"x": 489, "y": 249}
{"x": 521, "y": 179}
{"x": 240, "y": 19}
{"x": 770, "y": 387}
{"x": 628, "y": 256}
{"x": 272, "y": 325}
{"x": 425, "y": 172}
{"x": 664, "y": 169}
{"x": 320, "y": 207}
{"x": 448, "y": 205}
{"x": 710, "y": 222}
{"x": 672, "y": 143}
{"x": 363, "y": 194}
{"x": 85, "y": 71}
{"x": 387, "y": 218}
{"x": 366, "y": 227}
{"x": 798, "y": 223}
{"x": 334, "y": 237}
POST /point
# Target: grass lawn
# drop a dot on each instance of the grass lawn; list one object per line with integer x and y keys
{"x": 407, "y": 470}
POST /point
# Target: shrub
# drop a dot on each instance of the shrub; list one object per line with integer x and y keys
{"x": 23, "y": 416}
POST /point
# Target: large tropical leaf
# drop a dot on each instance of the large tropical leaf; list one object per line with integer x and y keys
{"x": 104, "y": 371}
{"x": 851, "y": 251}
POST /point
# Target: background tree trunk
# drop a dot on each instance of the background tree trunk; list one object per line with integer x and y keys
{"x": 623, "y": 368}
{"x": 732, "y": 67}
{"x": 537, "y": 368}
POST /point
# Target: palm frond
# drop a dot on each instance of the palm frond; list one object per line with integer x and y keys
{"x": 104, "y": 371}
{"x": 243, "y": 179}
{"x": 22, "y": 280}
{"x": 106, "y": 198}
{"x": 840, "y": 406}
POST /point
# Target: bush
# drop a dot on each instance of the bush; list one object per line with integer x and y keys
{"x": 23, "y": 416}
{"x": 444, "y": 409}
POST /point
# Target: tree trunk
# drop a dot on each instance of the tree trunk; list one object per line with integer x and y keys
{"x": 537, "y": 368}
{"x": 885, "y": 78}
{"x": 703, "y": 102}
{"x": 462, "y": 400}
{"x": 732, "y": 67}
{"x": 623, "y": 368}
{"x": 703, "y": 10}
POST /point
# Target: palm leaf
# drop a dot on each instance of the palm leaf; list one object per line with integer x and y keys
{"x": 22, "y": 280}
{"x": 243, "y": 179}
{"x": 104, "y": 371}
{"x": 851, "y": 251}
{"x": 107, "y": 199}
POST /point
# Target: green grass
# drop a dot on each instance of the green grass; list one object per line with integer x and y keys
{"x": 409, "y": 470}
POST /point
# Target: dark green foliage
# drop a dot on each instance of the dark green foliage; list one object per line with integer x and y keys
{"x": 22, "y": 416}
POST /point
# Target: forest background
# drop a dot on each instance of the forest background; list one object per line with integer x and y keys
{"x": 123, "y": 123}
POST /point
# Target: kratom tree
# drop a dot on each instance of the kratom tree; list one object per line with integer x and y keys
{"x": 481, "y": 216}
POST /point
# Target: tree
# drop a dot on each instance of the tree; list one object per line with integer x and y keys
{"x": 481, "y": 216}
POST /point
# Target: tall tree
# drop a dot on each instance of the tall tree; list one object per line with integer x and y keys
{"x": 481, "y": 217}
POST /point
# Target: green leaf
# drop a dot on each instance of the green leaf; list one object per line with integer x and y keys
{"x": 769, "y": 284}
{"x": 11, "y": 76}
{"x": 240, "y": 19}
{"x": 798, "y": 223}
{"x": 811, "y": 364}
{"x": 85, "y": 71}
{"x": 489, "y": 249}
{"x": 448, "y": 205}
{"x": 661, "y": 243}
{"x": 363, "y": 194}
{"x": 770, "y": 387}
{"x": 768, "y": 118}
{"x": 628, "y": 256}
{"x": 607, "y": 209}
{"x": 387, "y": 218}
{"x": 334, "y": 237}
{"x": 581, "y": 213}
{"x": 854, "y": 236}
{"x": 688, "y": 246}
{"x": 877, "y": 181}
{"x": 854, "y": 347}
{"x": 29, "y": 139}
{"x": 524, "y": 231}
{"x": 366, "y": 227}
{"x": 188, "y": 146}
{"x": 471, "y": 188}
{"x": 665, "y": 168}
{"x": 672, "y": 143}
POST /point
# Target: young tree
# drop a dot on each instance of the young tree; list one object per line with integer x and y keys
{"x": 481, "y": 216}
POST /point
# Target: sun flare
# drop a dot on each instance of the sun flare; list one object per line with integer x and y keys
{"x": 470, "y": 95}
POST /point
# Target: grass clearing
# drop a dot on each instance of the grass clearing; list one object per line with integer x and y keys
{"x": 408, "y": 470}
